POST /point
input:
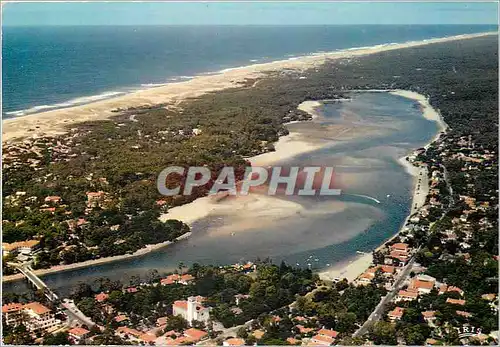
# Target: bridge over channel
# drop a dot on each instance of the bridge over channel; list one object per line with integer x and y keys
{"x": 68, "y": 306}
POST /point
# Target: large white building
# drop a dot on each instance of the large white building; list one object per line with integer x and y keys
{"x": 192, "y": 309}
{"x": 35, "y": 316}
{"x": 24, "y": 247}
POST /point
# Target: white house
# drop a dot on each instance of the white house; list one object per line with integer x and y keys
{"x": 78, "y": 334}
{"x": 192, "y": 309}
{"x": 40, "y": 317}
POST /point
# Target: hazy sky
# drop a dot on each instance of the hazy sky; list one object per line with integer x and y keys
{"x": 257, "y": 13}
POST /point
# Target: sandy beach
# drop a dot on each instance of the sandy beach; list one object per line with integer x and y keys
{"x": 427, "y": 110}
{"x": 349, "y": 269}
{"x": 59, "y": 121}
{"x": 354, "y": 267}
{"x": 286, "y": 147}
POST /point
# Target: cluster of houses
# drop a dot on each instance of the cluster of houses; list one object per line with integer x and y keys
{"x": 396, "y": 256}
{"x": 51, "y": 204}
{"x": 462, "y": 229}
{"x": 306, "y": 331}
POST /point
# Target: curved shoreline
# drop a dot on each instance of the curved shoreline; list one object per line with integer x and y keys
{"x": 58, "y": 121}
{"x": 286, "y": 146}
{"x": 85, "y": 264}
{"x": 189, "y": 213}
{"x": 355, "y": 266}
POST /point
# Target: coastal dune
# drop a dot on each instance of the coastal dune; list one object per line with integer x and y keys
{"x": 263, "y": 207}
{"x": 60, "y": 121}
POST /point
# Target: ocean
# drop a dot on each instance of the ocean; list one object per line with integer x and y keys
{"x": 45, "y": 68}
{"x": 314, "y": 232}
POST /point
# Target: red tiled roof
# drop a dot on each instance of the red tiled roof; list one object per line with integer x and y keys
{"x": 367, "y": 275}
{"x": 258, "y": 334}
{"x": 195, "y": 334}
{"x": 399, "y": 255}
{"x": 37, "y": 308}
{"x": 455, "y": 289}
{"x": 455, "y": 301}
{"x": 235, "y": 342}
{"x": 397, "y": 312}
{"x": 429, "y": 314}
{"x": 323, "y": 338}
{"x": 170, "y": 279}
{"x": 52, "y": 198}
{"x": 162, "y": 321}
{"x": 101, "y": 297}
{"x": 328, "y": 332}
{"x": 388, "y": 269}
{"x": 304, "y": 330}
{"x": 276, "y": 318}
{"x": 400, "y": 246}
{"x": 78, "y": 331}
{"x": 174, "y": 278}
{"x": 12, "y": 307}
{"x": 187, "y": 277}
{"x": 128, "y": 331}
{"x": 408, "y": 293}
{"x": 95, "y": 194}
{"x": 147, "y": 337}
{"x": 419, "y": 284}
{"x": 183, "y": 304}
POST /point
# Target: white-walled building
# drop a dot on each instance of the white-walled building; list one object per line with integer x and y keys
{"x": 35, "y": 316}
{"x": 39, "y": 317}
{"x": 192, "y": 309}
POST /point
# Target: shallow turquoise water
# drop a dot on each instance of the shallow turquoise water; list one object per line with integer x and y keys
{"x": 317, "y": 236}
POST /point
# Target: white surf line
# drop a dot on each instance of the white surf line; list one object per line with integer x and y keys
{"x": 365, "y": 196}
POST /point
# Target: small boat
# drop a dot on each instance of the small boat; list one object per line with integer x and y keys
{"x": 388, "y": 196}
{"x": 359, "y": 252}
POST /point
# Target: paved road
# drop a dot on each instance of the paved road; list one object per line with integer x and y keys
{"x": 69, "y": 306}
{"x": 74, "y": 313}
{"x": 226, "y": 333}
{"x": 379, "y": 310}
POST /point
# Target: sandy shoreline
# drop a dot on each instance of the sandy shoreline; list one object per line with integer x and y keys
{"x": 61, "y": 120}
{"x": 95, "y": 262}
{"x": 286, "y": 147}
{"x": 53, "y": 122}
{"x": 292, "y": 144}
{"x": 357, "y": 265}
